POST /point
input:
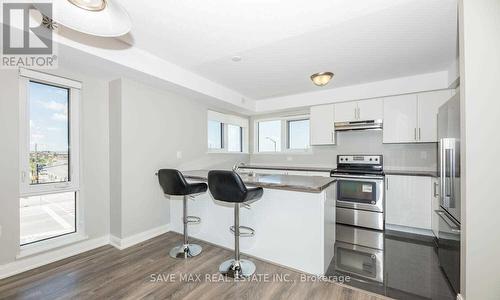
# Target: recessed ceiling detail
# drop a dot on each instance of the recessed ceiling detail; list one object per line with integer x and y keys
{"x": 282, "y": 42}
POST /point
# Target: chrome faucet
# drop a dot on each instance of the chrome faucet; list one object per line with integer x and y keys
{"x": 237, "y": 166}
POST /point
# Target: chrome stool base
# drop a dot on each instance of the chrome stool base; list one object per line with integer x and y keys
{"x": 185, "y": 251}
{"x": 246, "y": 268}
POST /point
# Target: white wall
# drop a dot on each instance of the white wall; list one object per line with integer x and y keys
{"x": 154, "y": 125}
{"x": 9, "y": 165}
{"x": 94, "y": 156}
{"x": 480, "y": 78}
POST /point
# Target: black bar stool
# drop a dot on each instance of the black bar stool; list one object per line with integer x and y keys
{"x": 173, "y": 183}
{"x": 227, "y": 186}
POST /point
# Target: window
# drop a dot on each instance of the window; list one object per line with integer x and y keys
{"x": 49, "y": 154}
{"x": 226, "y": 133}
{"x": 215, "y": 134}
{"x": 269, "y": 136}
{"x": 286, "y": 134}
{"x": 298, "y": 134}
{"x": 234, "y": 138}
{"x": 47, "y": 216}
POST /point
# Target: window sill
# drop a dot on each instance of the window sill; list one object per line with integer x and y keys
{"x": 226, "y": 152}
{"x": 284, "y": 153}
{"x": 50, "y": 244}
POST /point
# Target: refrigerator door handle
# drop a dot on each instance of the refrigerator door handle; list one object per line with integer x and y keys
{"x": 442, "y": 178}
{"x": 452, "y": 175}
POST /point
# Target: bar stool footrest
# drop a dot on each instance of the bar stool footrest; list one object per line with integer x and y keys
{"x": 245, "y": 231}
{"x": 193, "y": 220}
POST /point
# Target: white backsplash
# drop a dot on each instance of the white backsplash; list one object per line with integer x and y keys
{"x": 418, "y": 157}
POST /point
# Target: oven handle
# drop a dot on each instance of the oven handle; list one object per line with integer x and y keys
{"x": 375, "y": 177}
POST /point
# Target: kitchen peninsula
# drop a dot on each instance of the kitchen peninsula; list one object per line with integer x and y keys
{"x": 294, "y": 221}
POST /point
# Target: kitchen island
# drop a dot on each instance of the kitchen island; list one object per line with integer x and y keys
{"x": 294, "y": 221}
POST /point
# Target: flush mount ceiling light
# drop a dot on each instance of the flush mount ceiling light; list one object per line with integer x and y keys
{"x": 322, "y": 78}
{"x": 104, "y": 18}
{"x": 236, "y": 58}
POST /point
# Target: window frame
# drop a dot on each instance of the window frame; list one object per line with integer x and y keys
{"x": 226, "y": 120}
{"x": 288, "y": 134}
{"x": 284, "y": 135}
{"x": 241, "y": 138}
{"x": 74, "y": 150}
{"x": 257, "y": 131}
{"x": 222, "y": 132}
{"x": 74, "y": 87}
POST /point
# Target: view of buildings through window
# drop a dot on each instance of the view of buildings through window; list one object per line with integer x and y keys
{"x": 48, "y": 130}
{"x": 51, "y": 213}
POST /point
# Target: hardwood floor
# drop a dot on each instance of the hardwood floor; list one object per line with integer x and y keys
{"x": 145, "y": 271}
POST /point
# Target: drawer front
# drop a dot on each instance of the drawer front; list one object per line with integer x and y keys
{"x": 368, "y": 219}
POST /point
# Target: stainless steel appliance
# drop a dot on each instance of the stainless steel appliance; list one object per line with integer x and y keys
{"x": 359, "y": 125}
{"x": 360, "y": 190}
{"x": 449, "y": 178}
{"x": 359, "y": 253}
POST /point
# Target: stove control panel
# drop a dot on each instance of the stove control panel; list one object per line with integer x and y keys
{"x": 360, "y": 159}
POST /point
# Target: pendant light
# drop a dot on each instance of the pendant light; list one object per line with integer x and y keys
{"x": 105, "y": 18}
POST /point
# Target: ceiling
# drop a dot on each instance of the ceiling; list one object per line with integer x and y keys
{"x": 283, "y": 42}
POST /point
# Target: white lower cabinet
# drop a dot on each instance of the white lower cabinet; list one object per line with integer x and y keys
{"x": 408, "y": 201}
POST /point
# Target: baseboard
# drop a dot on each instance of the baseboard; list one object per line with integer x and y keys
{"x": 123, "y": 243}
{"x": 39, "y": 260}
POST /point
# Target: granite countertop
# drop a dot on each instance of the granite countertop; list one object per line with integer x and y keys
{"x": 411, "y": 173}
{"x": 286, "y": 168}
{"x": 388, "y": 171}
{"x": 308, "y": 184}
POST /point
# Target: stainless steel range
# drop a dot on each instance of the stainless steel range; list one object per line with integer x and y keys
{"x": 360, "y": 190}
{"x": 359, "y": 244}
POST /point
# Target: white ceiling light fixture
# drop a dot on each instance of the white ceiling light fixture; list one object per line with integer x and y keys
{"x": 104, "y": 18}
{"x": 322, "y": 78}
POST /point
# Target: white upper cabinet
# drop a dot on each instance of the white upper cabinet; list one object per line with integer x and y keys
{"x": 359, "y": 110}
{"x": 322, "y": 120}
{"x": 372, "y": 109}
{"x": 400, "y": 119}
{"x": 428, "y": 108}
{"x": 346, "y": 111}
{"x": 413, "y": 118}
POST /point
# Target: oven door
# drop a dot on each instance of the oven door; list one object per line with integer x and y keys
{"x": 359, "y": 262}
{"x": 360, "y": 192}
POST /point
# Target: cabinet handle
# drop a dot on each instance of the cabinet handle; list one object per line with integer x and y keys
{"x": 387, "y": 183}
{"x": 435, "y": 189}
{"x": 415, "y": 133}
{"x": 419, "y": 134}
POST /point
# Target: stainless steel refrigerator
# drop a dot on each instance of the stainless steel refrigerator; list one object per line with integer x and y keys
{"x": 449, "y": 182}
